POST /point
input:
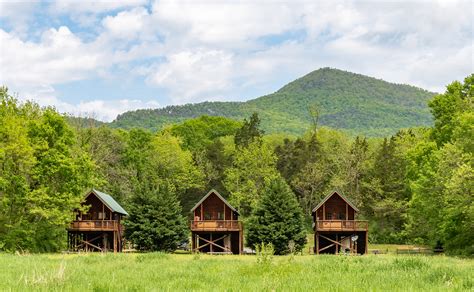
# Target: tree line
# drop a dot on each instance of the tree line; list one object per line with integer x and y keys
{"x": 414, "y": 187}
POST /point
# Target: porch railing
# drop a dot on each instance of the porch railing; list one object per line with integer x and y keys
{"x": 208, "y": 225}
{"x": 95, "y": 225}
{"x": 341, "y": 225}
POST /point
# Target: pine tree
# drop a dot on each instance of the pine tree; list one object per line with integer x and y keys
{"x": 277, "y": 219}
{"x": 155, "y": 222}
{"x": 249, "y": 132}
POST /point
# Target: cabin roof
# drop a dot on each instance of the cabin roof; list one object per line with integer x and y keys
{"x": 108, "y": 201}
{"x": 332, "y": 194}
{"x": 220, "y": 197}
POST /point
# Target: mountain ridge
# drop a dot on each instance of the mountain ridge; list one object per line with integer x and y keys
{"x": 348, "y": 101}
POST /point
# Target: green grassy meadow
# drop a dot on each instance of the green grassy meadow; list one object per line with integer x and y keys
{"x": 157, "y": 271}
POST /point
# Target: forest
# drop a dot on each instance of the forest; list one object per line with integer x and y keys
{"x": 415, "y": 186}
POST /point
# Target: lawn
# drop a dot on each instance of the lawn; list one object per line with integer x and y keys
{"x": 156, "y": 271}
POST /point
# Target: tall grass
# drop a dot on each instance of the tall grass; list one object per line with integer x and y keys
{"x": 158, "y": 271}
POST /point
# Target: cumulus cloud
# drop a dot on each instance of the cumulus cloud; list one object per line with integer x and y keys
{"x": 208, "y": 50}
{"x": 226, "y": 22}
{"x": 126, "y": 24}
{"x": 190, "y": 75}
{"x": 59, "y": 57}
{"x": 104, "y": 110}
{"x": 74, "y": 7}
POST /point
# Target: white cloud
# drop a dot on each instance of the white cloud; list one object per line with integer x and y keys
{"x": 225, "y": 23}
{"x": 190, "y": 75}
{"x": 101, "y": 6}
{"x": 126, "y": 24}
{"x": 103, "y": 110}
{"x": 108, "y": 110}
{"x": 59, "y": 57}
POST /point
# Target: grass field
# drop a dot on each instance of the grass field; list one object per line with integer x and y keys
{"x": 156, "y": 271}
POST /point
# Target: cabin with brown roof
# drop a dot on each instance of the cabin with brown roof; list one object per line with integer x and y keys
{"x": 98, "y": 228}
{"x": 335, "y": 228}
{"x": 215, "y": 226}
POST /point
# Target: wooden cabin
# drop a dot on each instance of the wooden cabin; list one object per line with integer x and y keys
{"x": 335, "y": 227}
{"x": 215, "y": 226}
{"x": 98, "y": 228}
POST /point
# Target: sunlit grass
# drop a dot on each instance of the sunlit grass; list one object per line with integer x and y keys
{"x": 157, "y": 271}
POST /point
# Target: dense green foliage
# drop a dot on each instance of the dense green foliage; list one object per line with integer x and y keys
{"x": 167, "y": 272}
{"x": 43, "y": 173}
{"x": 245, "y": 178}
{"x": 414, "y": 187}
{"x": 197, "y": 134}
{"x": 277, "y": 219}
{"x": 155, "y": 221}
{"x": 441, "y": 173}
{"x": 350, "y": 102}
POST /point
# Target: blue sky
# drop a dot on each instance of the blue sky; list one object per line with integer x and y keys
{"x": 103, "y": 58}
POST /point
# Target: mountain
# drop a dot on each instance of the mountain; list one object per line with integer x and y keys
{"x": 351, "y": 102}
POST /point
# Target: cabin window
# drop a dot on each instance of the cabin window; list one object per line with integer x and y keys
{"x": 329, "y": 216}
{"x": 220, "y": 216}
{"x": 207, "y": 216}
{"x": 101, "y": 215}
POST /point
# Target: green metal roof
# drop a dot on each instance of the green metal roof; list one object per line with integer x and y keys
{"x": 340, "y": 195}
{"x": 109, "y": 202}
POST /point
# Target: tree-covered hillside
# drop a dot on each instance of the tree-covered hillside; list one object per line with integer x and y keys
{"x": 351, "y": 102}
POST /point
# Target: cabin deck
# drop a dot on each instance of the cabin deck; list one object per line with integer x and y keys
{"x": 216, "y": 225}
{"x": 94, "y": 225}
{"x": 342, "y": 225}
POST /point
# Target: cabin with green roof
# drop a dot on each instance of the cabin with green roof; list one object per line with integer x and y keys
{"x": 98, "y": 228}
{"x": 336, "y": 229}
{"x": 215, "y": 227}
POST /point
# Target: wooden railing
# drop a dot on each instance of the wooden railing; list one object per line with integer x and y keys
{"x": 95, "y": 225}
{"x": 342, "y": 225}
{"x": 215, "y": 225}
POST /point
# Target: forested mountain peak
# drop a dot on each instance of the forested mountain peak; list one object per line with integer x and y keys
{"x": 348, "y": 101}
{"x": 336, "y": 79}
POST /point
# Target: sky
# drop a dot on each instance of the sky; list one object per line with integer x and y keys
{"x": 102, "y": 58}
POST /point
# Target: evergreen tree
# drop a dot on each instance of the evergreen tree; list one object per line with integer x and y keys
{"x": 155, "y": 222}
{"x": 249, "y": 132}
{"x": 277, "y": 219}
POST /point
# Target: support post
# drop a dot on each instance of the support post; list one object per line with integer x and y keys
{"x": 366, "y": 242}
{"x": 240, "y": 242}
{"x": 211, "y": 244}
{"x": 316, "y": 240}
{"x": 115, "y": 242}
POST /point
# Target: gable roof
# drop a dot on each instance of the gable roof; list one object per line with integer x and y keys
{"x": 108, "y": 201}
{"x": 213, "y": 191}
{"x": 340, "y": 195}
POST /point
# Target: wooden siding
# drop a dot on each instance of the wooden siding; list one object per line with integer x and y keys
{"x": 214, "y": 208}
